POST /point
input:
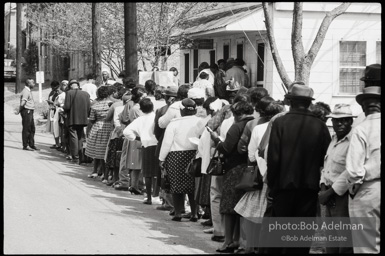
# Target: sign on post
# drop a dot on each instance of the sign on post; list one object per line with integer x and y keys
{"x": 40, "y": 81}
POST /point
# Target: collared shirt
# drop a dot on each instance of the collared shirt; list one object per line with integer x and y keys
{"x": 142, "y": 127}
{"x": 363, "y": 160}
{"x": 26, "y": 95}
{"x": 335, "y": 165}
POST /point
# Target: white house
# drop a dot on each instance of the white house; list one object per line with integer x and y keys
{"x": 237, "y": 30}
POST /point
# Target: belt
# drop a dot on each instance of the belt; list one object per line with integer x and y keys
{"x": 27, "y": 109}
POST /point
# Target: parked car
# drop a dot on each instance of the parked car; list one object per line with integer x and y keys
{"x": 9, "y": 69}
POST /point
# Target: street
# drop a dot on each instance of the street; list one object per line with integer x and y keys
{"x": 51, "y": 207}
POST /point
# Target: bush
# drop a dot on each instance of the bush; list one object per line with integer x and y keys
{"x": 42, "y": 109}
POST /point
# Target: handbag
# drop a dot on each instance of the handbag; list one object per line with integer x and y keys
{"x": 194, "y": 167}
{"x": 251, "y": 179}
{"x": 216, "y": 165}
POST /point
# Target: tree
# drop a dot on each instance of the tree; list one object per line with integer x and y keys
{"x": 302, "y": 61}
{"x": 31, "y": 59}
{"x": 69, "y": 26}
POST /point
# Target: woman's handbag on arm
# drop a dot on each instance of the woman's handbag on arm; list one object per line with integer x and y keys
{"x": 194, "y": 167}
{"x": 251, "y": 179}
{"x": 216, "y": 165}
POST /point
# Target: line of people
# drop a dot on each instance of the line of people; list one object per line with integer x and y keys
{"x": 142, "y": 138}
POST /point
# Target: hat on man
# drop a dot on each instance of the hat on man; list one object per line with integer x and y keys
{"x": 341, "y": 111}
{"x": 73, "y": 81}
{"x": 369, "y": 92}
{"x": 171, "y": 91}
{"x": 188, "y": 104}
{"x": 64, "y": 82}
{"x": 372, "y": 73}
{"x": 300, "y": 91}
{"x": 195, "y": 93}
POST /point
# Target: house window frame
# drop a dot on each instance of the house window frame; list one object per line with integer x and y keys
{"x": 226, "y": 42}
{"x": 337, "y": 90}
{"x": 241, "y": 41}
{"x": 262, "y": 82}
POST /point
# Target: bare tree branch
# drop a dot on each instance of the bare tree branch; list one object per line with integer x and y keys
{"x": 296, "y": 39}
{"x": 277, "y": 59}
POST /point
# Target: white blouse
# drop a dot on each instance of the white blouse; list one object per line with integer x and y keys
{"x": 142, "y": 127}
{"x": 177, "y": 134}
{"x": 255, "y": 139}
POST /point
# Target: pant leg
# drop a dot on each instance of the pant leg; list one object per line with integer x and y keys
{"x": 25, "y": 124}
{"x": 215, "y": 199}
{"x": 32, "y": 130}
{"x": 74, "y": 144}
{"x": 123, "y": 170}
{"x": 80, "y": 137}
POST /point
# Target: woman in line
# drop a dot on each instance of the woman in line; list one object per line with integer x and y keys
{"x": 115, "y": 142}
{"x": 134, "y": 153}
{"x": 253, "y": 204}
{"x": 175, "y": 154}
{"x": 234, "y": 164}
{"x": 51, "y": 112}
{"x": 142, "y": 129}
{"x": 58, "y": 121}
{"x": 99, "y": 134}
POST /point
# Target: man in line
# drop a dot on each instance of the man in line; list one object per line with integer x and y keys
{"x": 334, "y": 188}
{"x": 88, "y": 86}
{"x": 363, "y": 165}
{"x": 297, "y": 147}
{"x": 26, "y": 109}
{"x": 77, "y": 106}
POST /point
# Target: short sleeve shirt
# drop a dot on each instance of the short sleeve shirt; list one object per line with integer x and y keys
{"x": 26, "y": 95}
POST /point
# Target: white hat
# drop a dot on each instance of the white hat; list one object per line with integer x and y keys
{"x": 196, "y": 93}
{"x": 216, "y": 105}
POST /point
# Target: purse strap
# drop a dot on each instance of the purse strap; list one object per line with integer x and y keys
{"x": 216, "y": 150}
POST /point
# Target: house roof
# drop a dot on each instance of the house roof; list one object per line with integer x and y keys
{"x": 218, "y": 18}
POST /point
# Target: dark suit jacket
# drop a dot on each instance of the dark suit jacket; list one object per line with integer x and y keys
{"x": 77, "y": 105}
{"x": 296, "y": 150}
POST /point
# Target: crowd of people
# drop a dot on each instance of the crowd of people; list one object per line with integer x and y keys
{"x": 141, "y": 138}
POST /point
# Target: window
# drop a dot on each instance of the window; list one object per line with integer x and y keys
{"x": 186, "y": 68}
{"x": 226, "y": 51}
{"x": 195, "y": 64}
{"x": 212, "y": 57}
{"x": 352, "y": 66}
{"x": 260, "y": 63}
{"x": 240, "y": 51}
{"x": 378, "y": 52}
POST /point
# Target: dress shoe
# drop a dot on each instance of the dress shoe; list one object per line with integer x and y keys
{"x": 193, "y": 219}
{"x": 146, "y": 201}
{"x": 54, "y": 147}
{"x": 208, "y": 231}
{"x": 220, "y": 239}
{"x": 164, "y": 208}
{"x": 34, "y": 148}
{"x": 207, "y": 223}
{"x": 187, "y": 215}
{"x": 27, "y": 148}
{"x": 175, "y": 218}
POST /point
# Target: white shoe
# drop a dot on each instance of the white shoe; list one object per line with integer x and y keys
{"x": 156, "y": 200}
{"x": 208, "y": 231}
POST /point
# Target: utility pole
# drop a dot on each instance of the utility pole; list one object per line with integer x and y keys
{"x": 19, "y": 8}
{"x": 96, "y": 58}
{"x": 131, "y": 40}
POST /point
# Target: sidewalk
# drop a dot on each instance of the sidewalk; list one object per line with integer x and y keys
{"x": 51, "y": 207}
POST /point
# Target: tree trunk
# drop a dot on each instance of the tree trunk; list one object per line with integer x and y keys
{"x": 96, "y": 47}
{"x": 131, "y": 40}
{"x": 19, "y": 46}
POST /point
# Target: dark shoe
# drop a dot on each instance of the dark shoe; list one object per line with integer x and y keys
{"x": 27, "y": 148}
{"x": 120, "y": 186}
{"x": 226, "y": 250}
{"x": 176, "y": 218}
{"x": 187, "y": 215}
{"x": 220, "y": 239}
{"x": 110, "y": 183}
{"x": 207, "y": 223}
{"x": 164, "y": 208}
{"x": 146, "y": 201}
{"x": 54, "y": 147}
{"x": 134, "y": 191}
{"x": 172, "y": 212}
{"x": 206, "y": 216}
{"x": 193, "y": 219}
{"x": 35, "y": 148}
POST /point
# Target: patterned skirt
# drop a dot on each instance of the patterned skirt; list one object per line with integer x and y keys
{"x": 113, "y": 146}
{"x": 150, "y": 163}
{"x": 253, "y": 204}
{"x": 230, "y": 195}
{"x": 98, "y": 139}
{"x": 176, "y": 163}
